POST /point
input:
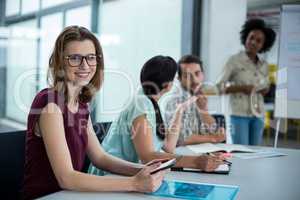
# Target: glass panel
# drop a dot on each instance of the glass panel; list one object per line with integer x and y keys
{"x": 21, "y": 69}
{"x": 48, "y": 38}
{"x": 79, "y": 16}
{"x": 51, "y": 3}
{"x": 130, "y": 37}
{"x": 12, "y": 7}
{"x": 30, "y": 6}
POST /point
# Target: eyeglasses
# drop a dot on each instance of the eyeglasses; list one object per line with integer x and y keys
{"x": 75, "y": 60}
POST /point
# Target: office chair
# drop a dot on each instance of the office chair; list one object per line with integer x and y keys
{"x": 12, "y": 156}
{"x": 220, "y": 120}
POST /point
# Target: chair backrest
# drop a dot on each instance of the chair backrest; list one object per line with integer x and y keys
{"x": 101, "y": 130}
{"x": 220, "y": 120}
{"x": 12, "y": 156}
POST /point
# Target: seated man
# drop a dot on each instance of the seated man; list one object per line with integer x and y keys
{"x": 198, "y": 126}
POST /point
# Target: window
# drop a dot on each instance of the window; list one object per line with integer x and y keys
{"x": 12, "y": 7}
{"x": 48, "y": 37}
{"x": 51, "y": 3}
{"x": 79, "y": 16}
{"x": 132, "y": 31}
{"x": 129, "y": 37}
{"x": 29, "y": 6}
{"x": 21, "y": 69}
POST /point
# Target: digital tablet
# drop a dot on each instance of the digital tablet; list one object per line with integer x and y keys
{"x": 165, "y": 165}
{"x": 196, "y": 191}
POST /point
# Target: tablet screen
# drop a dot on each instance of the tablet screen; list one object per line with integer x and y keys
{"x": 180, "y": 189}
{"x": 196, "y": 191}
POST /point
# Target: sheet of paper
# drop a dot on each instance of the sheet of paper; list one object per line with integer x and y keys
{"x": 235, "y": 148}
{"x": 209, "y": 147}
{"x": 259, "y": 154}
{"x": 222, "y": 168}
{"x": 203, "y": 148}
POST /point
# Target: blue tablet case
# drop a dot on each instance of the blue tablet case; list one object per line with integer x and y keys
{"x": 196, "y": 191}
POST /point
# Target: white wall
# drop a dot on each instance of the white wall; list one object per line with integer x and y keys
{"x": 221, "y": 24}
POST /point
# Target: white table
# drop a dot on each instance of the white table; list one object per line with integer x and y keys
{"x": 273, "y": 178}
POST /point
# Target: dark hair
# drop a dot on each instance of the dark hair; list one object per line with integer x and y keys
{"x": 258, "y": 24}
{"x": 188, "y": 59}
{"x": 156, "y": 72}
{"x": 160, "y": 126}
{"x": 56, "y": 77}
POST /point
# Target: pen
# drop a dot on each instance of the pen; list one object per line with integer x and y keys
{"x": 225, "y": 161}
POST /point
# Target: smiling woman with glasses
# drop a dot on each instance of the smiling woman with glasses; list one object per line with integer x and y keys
{"x": 60, "y": 132}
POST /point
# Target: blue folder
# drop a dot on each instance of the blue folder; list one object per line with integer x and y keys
{"x": 196, "y": 191}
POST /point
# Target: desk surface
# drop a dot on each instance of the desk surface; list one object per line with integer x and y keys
{"x": 273, "y": 178}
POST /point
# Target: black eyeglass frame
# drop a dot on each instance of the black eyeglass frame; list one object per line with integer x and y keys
{"x": 83, "y": 57}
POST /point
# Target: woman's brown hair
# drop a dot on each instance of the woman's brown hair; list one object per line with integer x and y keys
{"x": 56, "y": 77}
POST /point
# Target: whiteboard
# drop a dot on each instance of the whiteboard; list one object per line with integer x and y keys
{"x": 287, "y": 98}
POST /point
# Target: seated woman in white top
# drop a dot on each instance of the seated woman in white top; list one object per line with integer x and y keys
{"x": 139, "y": 134}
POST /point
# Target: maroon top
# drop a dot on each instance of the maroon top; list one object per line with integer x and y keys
{"x": 39, "y": 178}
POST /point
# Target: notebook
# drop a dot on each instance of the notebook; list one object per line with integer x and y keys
{"x": 221, "y": 147}
{"x": 196, "y": 191}
{"x": 221, "y": 169}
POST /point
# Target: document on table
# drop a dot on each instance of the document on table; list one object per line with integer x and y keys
{"x": 209, "y": 147}
{"x": 259, "y": 154}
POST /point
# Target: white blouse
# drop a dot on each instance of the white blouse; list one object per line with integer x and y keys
{"x": 240, "y": 70}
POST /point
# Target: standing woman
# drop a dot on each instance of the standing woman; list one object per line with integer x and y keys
{"x": 245, "y": 79}
{"x": 59, "y": 129}
{"x": 139, "y": 134}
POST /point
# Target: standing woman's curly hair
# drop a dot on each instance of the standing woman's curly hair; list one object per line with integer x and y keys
{"x": 258, "y": 24}
{"x": 56, "y": 73}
